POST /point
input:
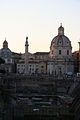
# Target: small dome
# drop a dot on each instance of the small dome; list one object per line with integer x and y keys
{"x": 5, "y": 52}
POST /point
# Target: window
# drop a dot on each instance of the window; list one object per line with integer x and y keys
{"x": 18, "y": 65}
{"x": 67, "y": 52}
{"x": 30, "y": 65}
{"x": 51, "y": 63}
{"x": 59, "y": 52}
{"x": 36, "y": 65}
{"x": 42, "y": 66}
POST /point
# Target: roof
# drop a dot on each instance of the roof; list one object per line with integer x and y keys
{"x": 14, "y": 53}
{"x": 41, "y": 53}
{"x": 61, "y": 40}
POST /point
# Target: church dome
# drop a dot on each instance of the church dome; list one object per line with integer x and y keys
{"x": 60, "y": 39}
{"x": 5, "y": 52}
{"x": 60, "y": 42}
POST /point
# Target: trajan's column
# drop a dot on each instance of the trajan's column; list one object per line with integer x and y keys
{"x": 79, "y": 56}
{"x": 26, "y": 57}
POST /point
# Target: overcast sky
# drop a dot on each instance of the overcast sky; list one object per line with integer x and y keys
{"x": 39, "y": 20}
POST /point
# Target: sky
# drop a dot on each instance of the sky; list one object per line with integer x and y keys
{"x": 39, "y": 21}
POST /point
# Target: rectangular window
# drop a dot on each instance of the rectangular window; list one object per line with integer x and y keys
{"x": 67, "y": 52}
{"x": 59, "y": 52}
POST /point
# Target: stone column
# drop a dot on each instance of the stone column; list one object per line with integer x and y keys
{"x": 26, "y": 57}
{"x": 79, "y": 57}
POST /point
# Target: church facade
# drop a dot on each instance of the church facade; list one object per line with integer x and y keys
{"x": 61, "y": 60}
{"x": 6, "y": 55}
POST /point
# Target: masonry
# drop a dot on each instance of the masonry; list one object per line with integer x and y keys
{"x": 38, "y": 96}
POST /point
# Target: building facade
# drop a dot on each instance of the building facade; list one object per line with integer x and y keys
{"x": 34, "y": 67}
{"x": 76, "y": 61}
{"x": 58, "y": 61}
{"x": 61, "y": 60}
{"x": 6, "y": 55}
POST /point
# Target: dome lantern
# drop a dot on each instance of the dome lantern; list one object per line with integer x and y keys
{"x": 61, "y": 30}
{"x": 5, "y": 44}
